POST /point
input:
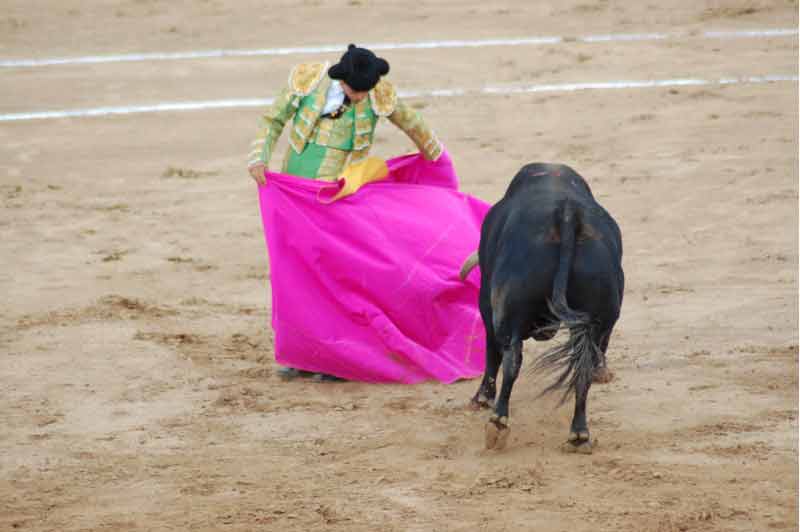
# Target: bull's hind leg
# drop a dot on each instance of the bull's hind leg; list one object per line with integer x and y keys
{"x": 497, "y": 429}
{"x": 484, "y": 397}
{"x": 601, "y": 373}
{"x": 579, "y": 438}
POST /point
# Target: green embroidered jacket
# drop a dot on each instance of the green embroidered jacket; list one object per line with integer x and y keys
{"x": 320, "y": 147}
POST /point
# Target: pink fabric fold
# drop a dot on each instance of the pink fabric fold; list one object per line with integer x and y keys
{"x": 367, "y": 288}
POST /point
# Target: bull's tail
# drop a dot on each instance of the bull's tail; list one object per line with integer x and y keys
{"x": 572, "y": 361}
{"x": 567, "y": 223}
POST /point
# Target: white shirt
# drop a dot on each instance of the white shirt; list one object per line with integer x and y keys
{"x": 334, "y": 98}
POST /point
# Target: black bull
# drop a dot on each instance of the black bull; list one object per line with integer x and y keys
{"x": 549, "y": 256}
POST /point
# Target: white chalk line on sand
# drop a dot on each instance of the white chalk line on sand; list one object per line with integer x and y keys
{"x": 208, "y": 54}
{"x": 256, "y": 102}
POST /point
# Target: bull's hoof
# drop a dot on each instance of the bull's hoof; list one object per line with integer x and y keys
{"x": 602, "y": 375}
{"x": 480, "y": 402}
{"x": 585, "y": 447}
{"x": 579, "y": 442}
{"x": 497, "y": 432}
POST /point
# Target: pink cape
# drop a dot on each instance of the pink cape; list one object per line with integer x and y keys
{"x": 367, "y": 288}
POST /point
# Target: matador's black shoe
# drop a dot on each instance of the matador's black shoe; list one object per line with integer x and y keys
{"x": 290, "y": 374}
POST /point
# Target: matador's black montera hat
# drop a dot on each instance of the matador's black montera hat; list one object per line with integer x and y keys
{"x": 359, "y": 68}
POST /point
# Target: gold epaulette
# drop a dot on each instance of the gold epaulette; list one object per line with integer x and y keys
{"x": 305, "y": 77}
{"x": 383, "y": 98}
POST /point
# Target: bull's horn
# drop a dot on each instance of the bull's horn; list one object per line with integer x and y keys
{"x": 469, "y": 263}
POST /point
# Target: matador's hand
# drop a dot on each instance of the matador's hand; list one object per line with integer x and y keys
{"x": 257, "y": 172}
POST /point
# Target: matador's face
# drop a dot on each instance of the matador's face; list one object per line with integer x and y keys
{"x": 355, "y": 96}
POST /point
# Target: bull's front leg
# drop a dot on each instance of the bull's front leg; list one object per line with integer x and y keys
{"x": 497, "y": 429}
{"x": 484, "y": 397}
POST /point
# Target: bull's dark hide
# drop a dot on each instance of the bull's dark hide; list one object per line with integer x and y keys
{"x": 550, "y": 257}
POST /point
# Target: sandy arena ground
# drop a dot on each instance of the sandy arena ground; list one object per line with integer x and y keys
{"x": 137, "y": 385}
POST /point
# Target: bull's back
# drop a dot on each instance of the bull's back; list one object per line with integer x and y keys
{"x": 522, "y": 230}
{"x": 543, "y": 188}
{"x": 550, "y": 180}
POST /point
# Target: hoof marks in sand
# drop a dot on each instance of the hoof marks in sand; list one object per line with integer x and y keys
{"x": 497, "y": 432}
